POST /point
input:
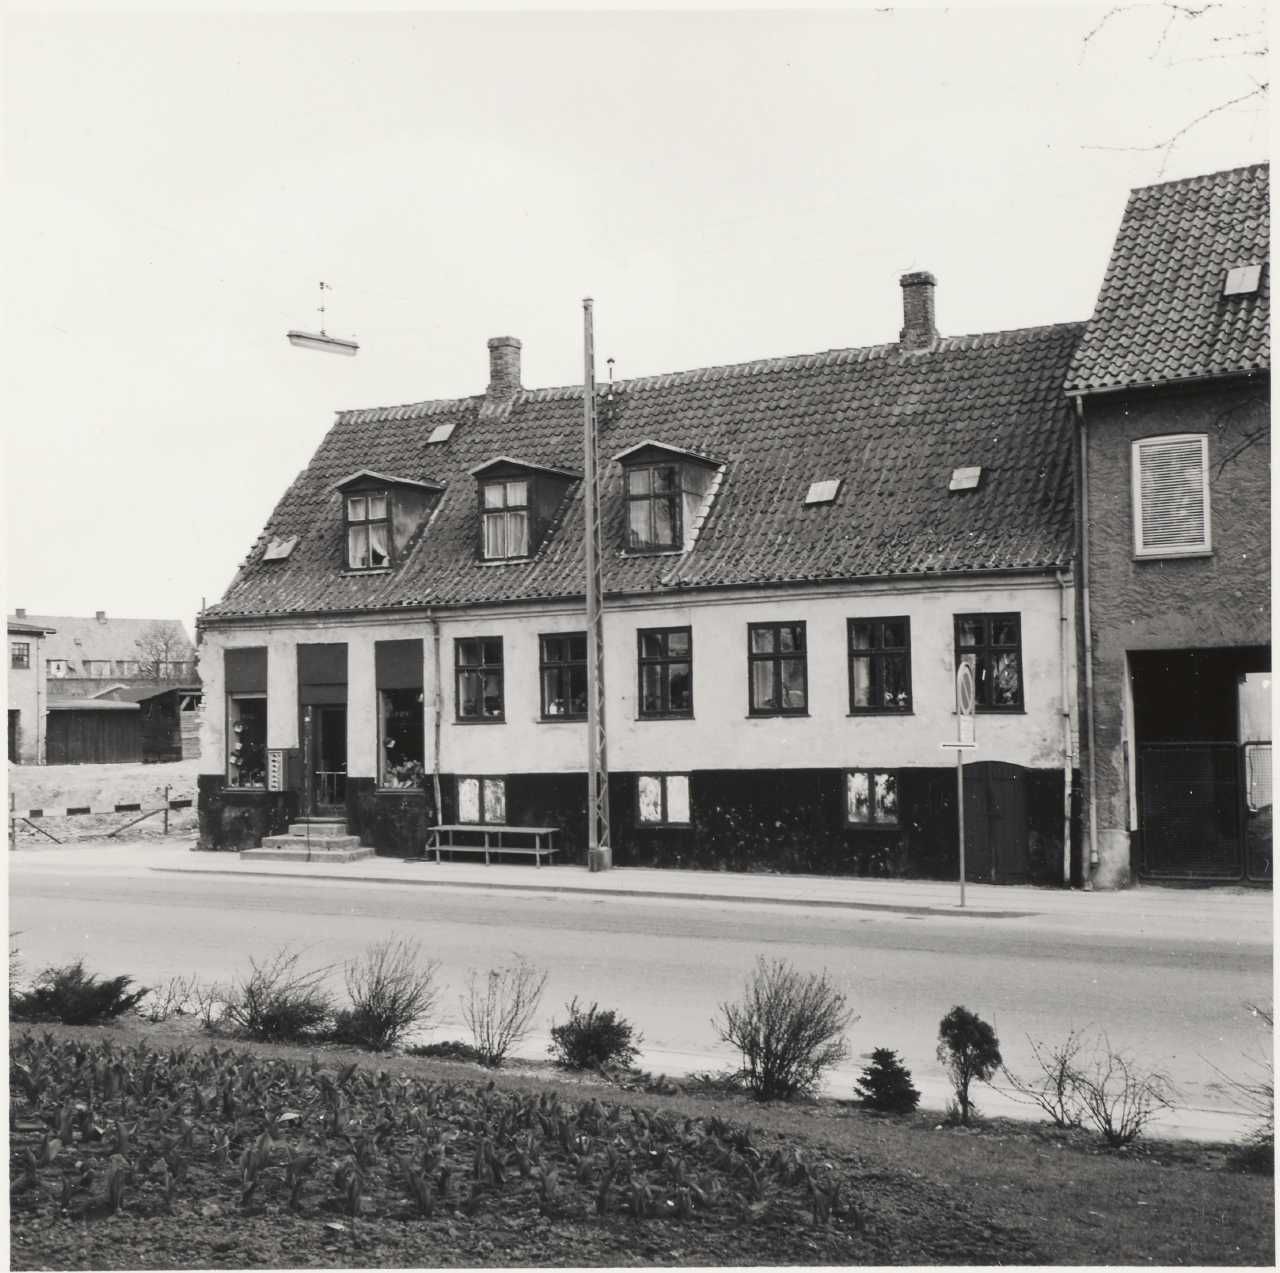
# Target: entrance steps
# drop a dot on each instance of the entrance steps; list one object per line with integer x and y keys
{"x": 311, "y": 840}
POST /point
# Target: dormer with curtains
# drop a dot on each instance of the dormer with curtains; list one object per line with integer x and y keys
{"x": 381, "y": 516}
{"x": 518, "y": 501}
{"x": 667, "y": 491}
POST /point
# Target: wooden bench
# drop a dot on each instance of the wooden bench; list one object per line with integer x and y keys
{"x": 536, "y": 842}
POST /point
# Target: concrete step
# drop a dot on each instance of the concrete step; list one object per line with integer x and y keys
{"x": 319, "y": 826}
{"x": 299, "y": 853}
{"x": 317, "y": 843}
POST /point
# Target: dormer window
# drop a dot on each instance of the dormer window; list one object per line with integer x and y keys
{"x": 367, "y": 537}
{"x": 653, "y": 506}
{"x": 506, "y": 519}
{"x": 383, "y": 514}
{"x": 668, "y": 491}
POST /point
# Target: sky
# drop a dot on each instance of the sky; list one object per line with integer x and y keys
{"x": 726, "y": 184}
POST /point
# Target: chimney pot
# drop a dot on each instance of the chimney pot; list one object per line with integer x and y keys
{"x": 20, "y": 614}
{"x": 504, "y": 369}
{"x": 101, "y": 616}
{"x": 919, "y": 330}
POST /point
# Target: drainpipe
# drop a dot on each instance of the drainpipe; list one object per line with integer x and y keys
{"x": 437, "y": 706}
{"x": 1065, "y": 645}
{"x": 1088, "y": 641}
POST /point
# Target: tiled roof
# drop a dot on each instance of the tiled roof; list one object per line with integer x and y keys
{"x": 893, "y": 425}
{"x": 78, "y": 638}
{"x": 1161, "y": 316}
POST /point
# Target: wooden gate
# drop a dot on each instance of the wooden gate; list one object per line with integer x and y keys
{"x": 995, "y": 823}
{"x": 1189, "y": 811}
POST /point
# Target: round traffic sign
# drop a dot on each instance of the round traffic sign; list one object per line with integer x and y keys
{"x": 964, "y": 689}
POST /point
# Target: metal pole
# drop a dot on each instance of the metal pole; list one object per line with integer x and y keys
{"x": 960, "y": 812}
{"x": 599, "y": 852}
{"x": 166, "y": 811}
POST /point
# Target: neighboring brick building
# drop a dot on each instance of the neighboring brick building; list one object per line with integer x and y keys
{"x": 797, "y": 552}
{"x": 1171, "y": 384}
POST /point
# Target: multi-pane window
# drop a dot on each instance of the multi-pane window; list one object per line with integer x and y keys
{"x": 662, "y": 800}
{"x": 367, "y": 531}
{"x": 20, "y": 654}
{"x": 247, "y": 740}
{"x": 778, "y": 670}
{"x": 666, "y": 671}
{"x": 479, "y": 675}
{"x": 992, "y": 646}
{"x": 97, "y": 667}
{"x": 506, "y": 519}
{"x": 57, "y": 667}
{"x": 563, "y": 669}
{"x": 871, "y": 798}
{"x": 880, "y": 665}
{"x": 1171, "y": 496}
{"x": 126, "y": 667}
{"x": 482, "y": 800}
{"x": 402, "y": 759}
{"x": 653, "y": 506}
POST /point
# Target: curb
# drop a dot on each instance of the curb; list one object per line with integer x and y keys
{"x": 905, "y": 909}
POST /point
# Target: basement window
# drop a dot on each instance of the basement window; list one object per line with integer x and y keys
{"x": 1171, "y": 496}
{"x": 871, "y": 798}
{"x": 482, "y": 800}
{"x": 1242, "y": 280}
{"x": 662, "y": 800}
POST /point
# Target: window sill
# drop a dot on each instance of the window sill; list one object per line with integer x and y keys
{"x": 229, "y": 786}
{"x": 480, "y": 720}
{"x": 777, "y": 715}
{"x": 998, "y": 711}
{"x": 882, "y": 711}
{"x": 663, "y": 826}
{"x": 1167, "y": 554}
{"x": 664, "y": 716}
{"x": 399, "y": 791}
{"x": 358, "y": 572}
{"x": 873, "y": 826}
{"x": 561, "y": 720}
{"x": 505, "y": 561}
{"x": 677, "y": 551}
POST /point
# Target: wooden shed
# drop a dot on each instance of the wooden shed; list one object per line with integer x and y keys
{"x": 91, "y": 731}
{"x": 168, "y": 727}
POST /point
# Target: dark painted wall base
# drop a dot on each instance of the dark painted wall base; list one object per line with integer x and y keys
{"x": 785, "y": 821}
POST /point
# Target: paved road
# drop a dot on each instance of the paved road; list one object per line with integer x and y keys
{"x": 1171, "y": 994}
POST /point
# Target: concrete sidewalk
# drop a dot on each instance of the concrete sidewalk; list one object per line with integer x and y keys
{"x": 1228, "y": 913}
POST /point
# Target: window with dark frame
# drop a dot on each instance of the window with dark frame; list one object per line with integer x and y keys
{"x": 506, "y": 519}
{"x": 247, "y": 740}
{"x": 662, "y": 800}
{"x": 880, "y": 665}
{"x": 653, "y": 506}
{"x": 562, "y": 669}
{"x": 368, "y": 531}
{"x": 666, "y": 672}
{"x": 778, "y": 669}
{"x": 57, "y": 667}
{"x": 871, "y": 798}
{"x": 478, "y": 662}
{"x": 992, "y": 646}
{"x": 20, "y": 654}
{"x": 482, "y": 800}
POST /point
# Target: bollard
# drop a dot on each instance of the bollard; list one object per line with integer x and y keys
{"x": 166, "y": 811}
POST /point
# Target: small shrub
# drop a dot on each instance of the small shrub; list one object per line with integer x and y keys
{"x": 592, "y": 1038}
{"x": 448, "y": 1050}
{"x": 499, "y": 1010}
{"x": 885, "y": 1084}
{"x": 1056, "y": 1089}
{"x": 173, "y": 999}
{"x": 1120, "y": 1097}
{"x": 392, "y": 989}
{"x": 278, "y": 1003}
{"x": 209, "y": 1003}
{"x": 1257, "y": 1090}
{"x": 72, "y": 996}
{"x": 789, "y": 1027}
{"x": 969, "y": 1049}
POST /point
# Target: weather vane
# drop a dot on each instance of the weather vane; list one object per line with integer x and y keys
{"x": 321, "y": 340}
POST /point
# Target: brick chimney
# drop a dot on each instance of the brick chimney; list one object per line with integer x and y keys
{"x": 19, "y": 614}
{"x": 101, "y": 616}
{"x": 918, "y": 328}
{"x": 504, "y": 370}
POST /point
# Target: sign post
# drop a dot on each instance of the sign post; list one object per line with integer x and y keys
{"x": 964, "y": 741}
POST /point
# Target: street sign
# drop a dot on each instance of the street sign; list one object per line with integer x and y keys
{"x": 965, "y": 696}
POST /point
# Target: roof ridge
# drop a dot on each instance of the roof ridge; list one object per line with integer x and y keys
{"x": 714, "y": 371}
{"x": 1203, "y": 177}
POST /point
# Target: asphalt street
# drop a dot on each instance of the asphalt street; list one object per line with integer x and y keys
{"x": 1172, "y": 995}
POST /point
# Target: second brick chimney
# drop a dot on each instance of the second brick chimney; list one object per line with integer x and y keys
{"x": 504, "y": 370}
{"x": 918, "y": 328}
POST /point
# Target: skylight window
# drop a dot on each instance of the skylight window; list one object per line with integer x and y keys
{"x": 1242, "y": 280}
{"x": 965, "y": 479}
{"x": 823, "y": 492}
{"x": 441, "y": 433}
{"x": 279, "y": 549}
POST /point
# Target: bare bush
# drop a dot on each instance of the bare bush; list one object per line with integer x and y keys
{"x": 1257, "y": 1092}
{"x": 1119, "y": 1096}
{"x": 789, "y": 1027}
{"x": 499, "y": 1008}
{"x": 209, "y": 1003}
{"x": 392, "y": 989}
{"x": 1056, "y": 1089}
{"x": 173, "y": 999}
{"x": 278, "y": 1002}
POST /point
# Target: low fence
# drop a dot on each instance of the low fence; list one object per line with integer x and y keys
{"x": 32, "y": 817}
